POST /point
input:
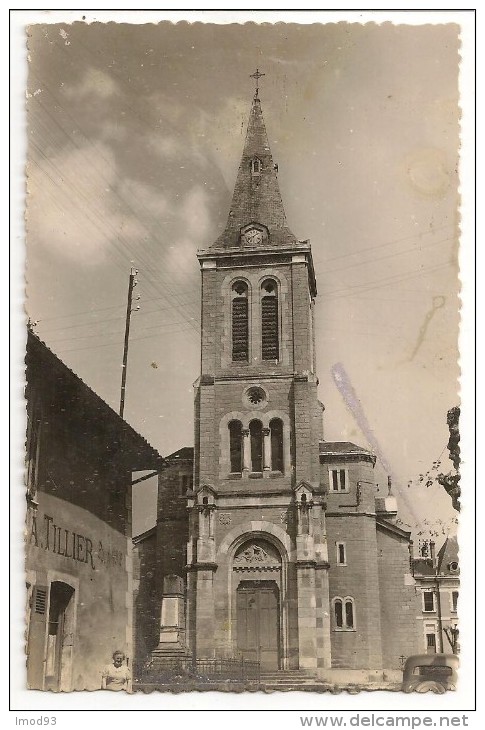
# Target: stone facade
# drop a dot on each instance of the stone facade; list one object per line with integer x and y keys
{"x": 437, "y": 577}
{"x": 289, "y": 560}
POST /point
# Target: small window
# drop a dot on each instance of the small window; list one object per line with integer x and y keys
{"x": 341, "y": 554}
{"x": 339, "y": 619}
{"x": 343, "y": 614}
{"x": 454, "y": 601}
{"x": 428, "y": 601}
{"x": 431, "y": 643}
{"x": 339, "y": 480}
{"x": 256, "y": 166}
{"x": 349, "y": 614}
{"x": 453, "y": 566}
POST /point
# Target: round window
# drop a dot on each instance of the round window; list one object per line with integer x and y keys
{"x": 255, "y": 397}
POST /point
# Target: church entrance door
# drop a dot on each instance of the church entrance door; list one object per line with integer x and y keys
{"x": 258, "y": 622}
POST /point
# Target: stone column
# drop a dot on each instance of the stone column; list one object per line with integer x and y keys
{"x": 172, "y": 618}
{"x": 307, "y": 604}
{"x": 204, "y": 611}
{"x": 307, "y": 615}
{"x": 267, "y": 449}
{"x": 246, "y": 451}
{"x": 171, "y": 651}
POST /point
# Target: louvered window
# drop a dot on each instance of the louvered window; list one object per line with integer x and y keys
{"x": 40, "y": 600}
{"x": 269, "y": 321}
{"x": 240, "y": 323}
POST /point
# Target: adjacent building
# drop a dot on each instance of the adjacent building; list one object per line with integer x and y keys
{"x": 437, "y": 577}
{"x": 80, "y": 458}
{"x": 289, "y": 555}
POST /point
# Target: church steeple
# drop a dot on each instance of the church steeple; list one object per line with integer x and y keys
{"x": 256, "y": 198}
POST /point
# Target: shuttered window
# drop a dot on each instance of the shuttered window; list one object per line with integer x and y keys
{"x": 428, "y": 599}
{"x": 240, "y": 324}
{"x": 269, "y": 321}
{"x": 40, "y": 600}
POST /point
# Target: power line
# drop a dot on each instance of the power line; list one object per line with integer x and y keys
{"x": 387, "y": 243}
{"x": 387, "y": 281}
{"x": 388, "y": 256}
{"x": 113, "y": 190}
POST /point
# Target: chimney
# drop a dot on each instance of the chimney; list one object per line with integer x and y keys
{"x": 432, "y": 550}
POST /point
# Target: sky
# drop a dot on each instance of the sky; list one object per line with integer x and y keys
{"x": 135, "y": 136}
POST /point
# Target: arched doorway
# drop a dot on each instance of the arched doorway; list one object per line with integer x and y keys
{"x": 257, "y": 582}
{"x": 59, "y": 647}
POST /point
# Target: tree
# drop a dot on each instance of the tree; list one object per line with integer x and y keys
{"x": 451, "y": 481}
{"x": 452, "y": 634}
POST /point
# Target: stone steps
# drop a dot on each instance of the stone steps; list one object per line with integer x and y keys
{"x": 286, "y": 678}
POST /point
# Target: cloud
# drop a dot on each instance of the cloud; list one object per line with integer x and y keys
{"x": 73, "y": 206}
{"x": 144, "y": 199}
{"x": 164, "y": 146}
{"x": 194, "y": 213}
{"x": 94, "y": 83}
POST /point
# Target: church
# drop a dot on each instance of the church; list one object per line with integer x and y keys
{"x": 271, "y": 543}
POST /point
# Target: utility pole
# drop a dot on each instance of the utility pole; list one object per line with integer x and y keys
{"x": 132, "y": 283}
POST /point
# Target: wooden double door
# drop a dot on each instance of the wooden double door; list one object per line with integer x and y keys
{"x": 258, "y": 622}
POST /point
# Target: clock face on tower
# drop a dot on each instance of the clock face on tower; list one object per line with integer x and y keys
{"x": 253, "y": 237}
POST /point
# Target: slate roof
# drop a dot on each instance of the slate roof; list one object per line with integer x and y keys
{"x": 343, "y": 448}
{"x": 423, "y": 566}
{"x": 256, "y": 198}
{"x": 186, "y": 453}
{"x": 447, "y": 555}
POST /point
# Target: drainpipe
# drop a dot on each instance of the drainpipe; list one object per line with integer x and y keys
{"x": 432, "y": 549}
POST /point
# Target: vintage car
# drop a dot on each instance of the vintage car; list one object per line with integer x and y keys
{"x": 430, "y": 673}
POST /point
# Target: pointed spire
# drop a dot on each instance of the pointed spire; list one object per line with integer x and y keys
{"x": 257, "y": 197}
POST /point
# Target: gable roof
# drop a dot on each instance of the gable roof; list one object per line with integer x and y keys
{"x": 66, "y": 394}
{"x": 390, "y": 527}
{"x": 448, "y": 554}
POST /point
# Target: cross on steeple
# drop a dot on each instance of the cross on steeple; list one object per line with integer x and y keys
{"x": 256, "y": 76}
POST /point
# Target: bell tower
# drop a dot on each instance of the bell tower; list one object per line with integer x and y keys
{"x": 257, "y": 525}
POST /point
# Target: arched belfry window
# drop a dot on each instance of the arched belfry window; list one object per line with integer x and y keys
{"x": 276, "y": 434}
{"x": 256, "y": 436}
{"x": 235, "y": 446}
{"x": 240, "y": 323}
{"x": 256, "y": 166}
{"x": 269, "y": 321}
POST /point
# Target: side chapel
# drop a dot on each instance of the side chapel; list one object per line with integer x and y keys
{"x": 284, "y": 553}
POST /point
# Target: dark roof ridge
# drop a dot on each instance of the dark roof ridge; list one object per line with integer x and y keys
{"x": 103, "y": 403}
